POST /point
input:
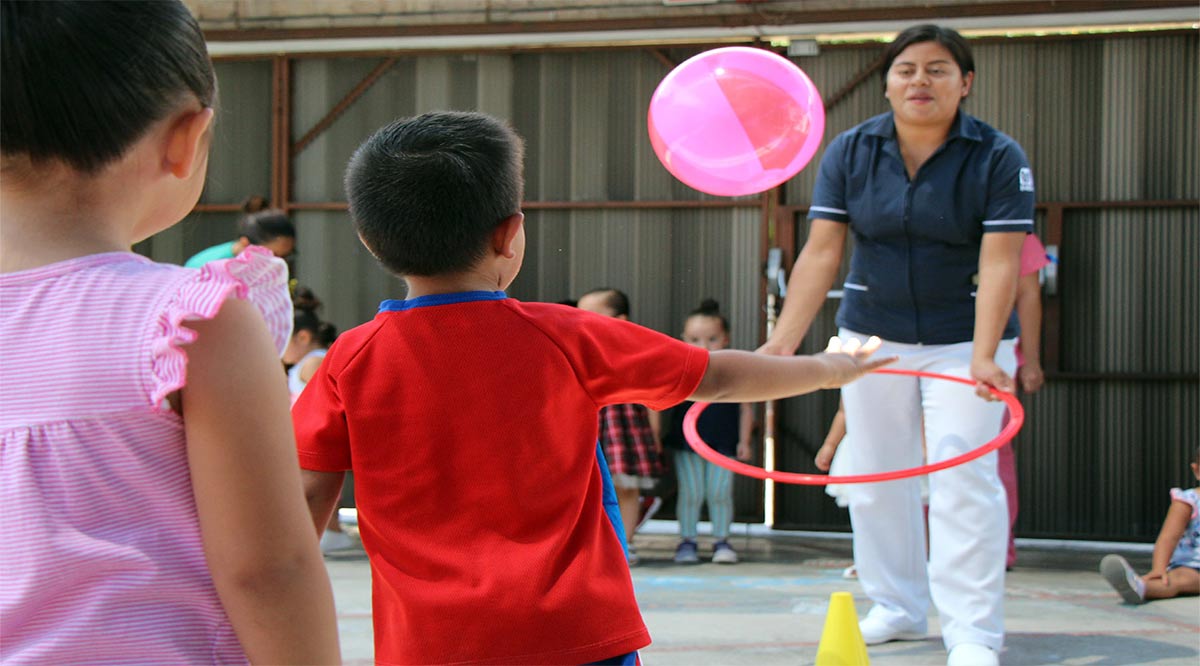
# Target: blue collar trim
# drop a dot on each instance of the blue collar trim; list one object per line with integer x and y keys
{"x": 394, "y": 305}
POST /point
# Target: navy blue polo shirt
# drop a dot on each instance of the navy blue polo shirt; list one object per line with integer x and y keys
{"x": 915, "y": 265}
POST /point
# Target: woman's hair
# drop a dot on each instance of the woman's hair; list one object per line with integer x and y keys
{"x": 305, "y": 303}
{"x": 614, "y": 299}
{"x": 83, "y": 81}
{"x": 710, "y": 308}
{"x": 265, "y": 226}
{"x": 927, "y": 32}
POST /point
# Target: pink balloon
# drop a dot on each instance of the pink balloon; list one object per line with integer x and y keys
{"x": 736, "y": 120}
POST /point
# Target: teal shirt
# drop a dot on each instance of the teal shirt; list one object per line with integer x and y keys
{"x": 222, "y": 251}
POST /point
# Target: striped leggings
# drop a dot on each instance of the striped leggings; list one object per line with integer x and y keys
{"x": 700, "y": 480}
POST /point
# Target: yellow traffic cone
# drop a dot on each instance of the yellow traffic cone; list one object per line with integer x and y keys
{"x": 841, "y": 641}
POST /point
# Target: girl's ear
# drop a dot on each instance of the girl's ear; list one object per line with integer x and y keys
{"x": 187, "y": 142}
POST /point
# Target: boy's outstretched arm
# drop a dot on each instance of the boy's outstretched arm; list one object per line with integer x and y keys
{"x": 740, "y": 376}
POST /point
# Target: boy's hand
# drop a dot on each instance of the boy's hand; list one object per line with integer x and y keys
{"x": 850, "y": 360}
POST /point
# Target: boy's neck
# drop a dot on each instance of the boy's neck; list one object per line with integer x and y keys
{"x": 453, "y": 283}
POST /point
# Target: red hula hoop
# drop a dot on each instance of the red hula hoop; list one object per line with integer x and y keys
{"x": 1016, "y": 418}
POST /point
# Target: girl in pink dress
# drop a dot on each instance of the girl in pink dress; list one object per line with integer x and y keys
{"x": 147, "y": 464}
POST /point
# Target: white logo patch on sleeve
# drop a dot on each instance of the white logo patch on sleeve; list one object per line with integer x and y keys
{"x": 1025, "y": 179}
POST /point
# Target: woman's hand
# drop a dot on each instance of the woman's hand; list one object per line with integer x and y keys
{"x": 988, "y": 375}
{"x": 744, "y": 453}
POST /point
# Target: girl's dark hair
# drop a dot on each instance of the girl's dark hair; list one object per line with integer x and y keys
{"x": 305, "y": 303}
{"x": 265, "y": 226}
{"x": 710, "y": 308}
{"x": 254, "y": 203}
{"x": 928, "y": 32}
{"x": 615, "y": 299}
{"x": 83, "y": 81}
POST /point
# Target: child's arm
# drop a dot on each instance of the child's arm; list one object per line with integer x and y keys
{"x": 739, "y": 376}
{"x": 1172, "y": 531}
{"x": 655, "y": 420}
{"x": 1029, "y": 315}
{"x": 258, "y": 538}
{"x": 745, "y": 432}
{"x": 837, "y": 432}
{"x": 322, "y": 491}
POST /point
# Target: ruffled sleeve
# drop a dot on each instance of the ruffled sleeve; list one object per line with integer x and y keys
{"x": 1187, "y": 497}
{"x": 255, "y": 275}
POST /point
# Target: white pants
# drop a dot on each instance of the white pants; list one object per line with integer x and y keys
{"x": 968, "y": 513}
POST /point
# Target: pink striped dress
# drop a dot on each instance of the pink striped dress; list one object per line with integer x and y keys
{"x": 101, "y": 559}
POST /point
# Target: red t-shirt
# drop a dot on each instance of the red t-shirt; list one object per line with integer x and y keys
{"x": 470, "y": 423}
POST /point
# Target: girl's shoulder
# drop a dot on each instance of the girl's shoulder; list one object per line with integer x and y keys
{"x": 255, "y": 276}
{"x": 1189, "y": 496}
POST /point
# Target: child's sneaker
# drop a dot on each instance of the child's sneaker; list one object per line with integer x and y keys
{"x": 333, "y": 541}
{"x": 632, "y": 558}
{"x": 1123, "y": 579}
{"x": 723, "y": 553}
{"x": 687, "y": 553}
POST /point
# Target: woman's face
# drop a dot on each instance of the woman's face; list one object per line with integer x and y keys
{"x": 925, "y": 85}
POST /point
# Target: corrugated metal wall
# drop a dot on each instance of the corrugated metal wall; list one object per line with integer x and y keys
{"x": 1109, "y": 118}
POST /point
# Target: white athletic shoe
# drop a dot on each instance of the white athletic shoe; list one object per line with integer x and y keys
{"x": 875, "y": 631}
{"x": 972, "y": 654}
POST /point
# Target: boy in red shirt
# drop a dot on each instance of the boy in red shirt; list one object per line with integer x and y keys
{"x": 470, "y": 419}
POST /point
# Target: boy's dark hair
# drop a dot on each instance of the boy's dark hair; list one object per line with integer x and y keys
{"x": 83, "y": 81}
{"x": 710, "y": 308}
{"x": 615, "y": 299}
{"x": 265, "y": 226}
{"x": 426, "y": 193}
{"x": 928, "y": 32}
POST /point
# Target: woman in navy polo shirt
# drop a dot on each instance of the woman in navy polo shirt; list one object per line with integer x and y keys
{"x": 939, "y": 204}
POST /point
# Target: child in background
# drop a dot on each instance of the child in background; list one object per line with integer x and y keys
{"x": 130, "y": 383}
{"x": 628, "y": 432}
{"x": 1175, "y": 567}
{"x": 470, "y": 419}
{"x": 306, "y": 349}
{"x": 724, "y": 426}
{"x": 1029, "y": 377}
{"x": 310, "y": 341}
{"x": 270, "y": 228}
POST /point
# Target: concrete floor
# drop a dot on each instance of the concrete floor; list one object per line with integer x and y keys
{"x": 770, "y": 609}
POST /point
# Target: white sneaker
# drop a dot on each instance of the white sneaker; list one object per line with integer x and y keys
{"x": 1123, "y": 578}
{"x": 723, "y": 553}
{"x": 972, "y": 654}
{"x": 332, "y": 541}
{"x": 875, "y": 631}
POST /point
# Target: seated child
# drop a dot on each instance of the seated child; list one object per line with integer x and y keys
{"x": 1175, "y": 567}
{"x": 470, "y": 421}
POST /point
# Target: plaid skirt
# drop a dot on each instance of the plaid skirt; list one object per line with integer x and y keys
{"x": 628, "y": 444}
